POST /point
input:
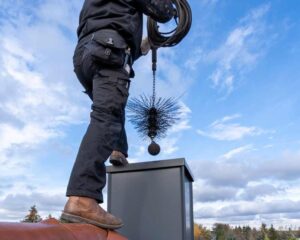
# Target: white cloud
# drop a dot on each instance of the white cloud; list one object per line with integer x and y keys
{"x": 241, "y": 50}
{"x": 250, "y": 208}
{"x": 209, "y": 2}
{"x": 168, "y": 145}
{"x": 39, "y": 92}
{"x": 184, "y": 118}
{"x": 141, "y": 151}
{"x": 237, "y": 151}
{"x": 36, "y": 96}
{"x": 18, "y": 204}
{"x": 258, "y": 202}
{"x": 196, "y": 56}
{"x": 284, "y": 168}
{"x": 224, "y": 130}
{"x": 249, "y": 191}
{"x": 27, "y": 136}
{"x": 64, "y": 15}
{"x": 253, "y": 191}
{"x": 204, "y": 192}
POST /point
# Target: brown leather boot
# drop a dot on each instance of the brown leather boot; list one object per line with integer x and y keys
{"x": 118, "y": 159}
{"x": 87, "y": 210}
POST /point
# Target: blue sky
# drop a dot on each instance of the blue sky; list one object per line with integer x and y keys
{"x": 238, "y": 74}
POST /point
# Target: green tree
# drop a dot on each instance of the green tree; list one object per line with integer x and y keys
{"x": 272, "y": 234}
{"x": 33, "y": 216}
{"x": 204, "y": 233}
{"x": 201, "y": 233}
{"x": 221, "y": 231}
{"x": 263, "y": 232}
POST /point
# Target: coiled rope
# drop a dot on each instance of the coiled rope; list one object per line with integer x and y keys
{"x": 183, "y": 19}
{"x": 157, "y": 39}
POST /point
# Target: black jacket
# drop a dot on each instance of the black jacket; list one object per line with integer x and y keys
{"x": 124, "y": 16}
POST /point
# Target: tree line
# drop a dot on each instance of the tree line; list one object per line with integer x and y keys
{"x": 225, "y": 232}
{"x": 219, "y": 232}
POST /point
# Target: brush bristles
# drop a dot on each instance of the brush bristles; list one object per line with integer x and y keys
{"x": 152, "y": 119}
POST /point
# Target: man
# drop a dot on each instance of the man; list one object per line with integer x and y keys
{"x": 109, "y": 41}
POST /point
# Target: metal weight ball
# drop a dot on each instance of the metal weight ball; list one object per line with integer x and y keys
{"x": 154, "y": 148}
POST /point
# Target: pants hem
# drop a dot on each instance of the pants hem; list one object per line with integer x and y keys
{"x": 122, "y": 151}
{"x": 77, "y": 193}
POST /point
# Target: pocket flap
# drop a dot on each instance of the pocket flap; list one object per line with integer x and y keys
{"x": 110, "y": 38}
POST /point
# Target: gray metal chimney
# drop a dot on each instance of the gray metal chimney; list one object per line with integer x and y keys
{"x": 154, "y": 199}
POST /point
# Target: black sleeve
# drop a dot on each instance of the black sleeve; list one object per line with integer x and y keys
{"x": 160, "y": 10}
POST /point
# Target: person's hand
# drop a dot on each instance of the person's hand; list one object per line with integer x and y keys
{"x": 145, "y": 46}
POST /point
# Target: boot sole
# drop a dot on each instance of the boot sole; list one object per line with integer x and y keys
{"x": 76, "y": 219}
{"x": 118, "y": 162}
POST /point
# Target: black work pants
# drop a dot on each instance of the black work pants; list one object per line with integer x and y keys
{"x": 107, "y": 86}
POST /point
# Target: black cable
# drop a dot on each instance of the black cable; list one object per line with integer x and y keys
{"x": 152, "y": 117}
{"x": 154, "y": 62}
{"x": 183, "y": 19}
